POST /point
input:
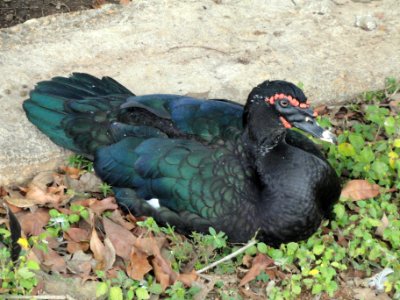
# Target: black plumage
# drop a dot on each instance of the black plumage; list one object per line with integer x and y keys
{"x": 198, "y": 163}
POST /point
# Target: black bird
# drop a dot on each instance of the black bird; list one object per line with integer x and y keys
{"x": 198, "y": 163}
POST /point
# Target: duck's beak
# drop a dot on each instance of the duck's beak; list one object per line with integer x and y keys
{"x": 305, "y": 120}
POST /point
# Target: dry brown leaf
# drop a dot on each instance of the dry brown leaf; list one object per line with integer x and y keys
{"x": 43, "y": 179}
{"x": 138, "y": 266}
{"x": 71, "y": 171}
{"x": 360, "y": 189}
{"x": 162, "y": 268}
{"x": 121, "y": 238}
{"x": 86, "y": 202}
{"x": 162, "y": 277}
{"x": 88, "y": 182}
{"x": 247, "y": 259}
{"x": 76, "y": 235}
{"x": 124, "y": 2}
{"x": 100, "y": 206}
{"x": 3, "y": 192}
{"x": 187, "y": 278}
{"x": 33, "y": 223}
{"x": 98, "y": 249}
{"x": 51, "y": 261}
{"x": 109, "y": 254}
{"x": 150, "y": 245}
{"x": 98, "y": 3}
{"x": 73, "y": 247}
{"x": 118, "y": 219}
{"x": 384, "y": 224}
{"x": 249, "y": 294}
{"x": 321, "y": 110}
{"x": 81, "y": 263}
{"x": 368, "y": 294}
{"x": 19, "y": 201}
{"x": 260, "y": 262}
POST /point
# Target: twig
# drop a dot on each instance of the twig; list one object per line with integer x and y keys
{"x": 228, "y": 257}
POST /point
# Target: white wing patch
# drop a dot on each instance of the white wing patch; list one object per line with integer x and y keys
{"x": 154, "y": 203}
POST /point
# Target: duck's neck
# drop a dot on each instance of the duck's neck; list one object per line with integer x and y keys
{"x": 263, "y": 130}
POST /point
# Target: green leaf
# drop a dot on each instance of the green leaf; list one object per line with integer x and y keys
{"x": 25, "y": 273}
{"x": 357, "y": 141}
{"x": 101, "y": 289}
{"x": 54, "y": 213}
{"x": 142, "y": 293}
{"x": 155, "y": 288}
{"x": 316, "y": 289}
{"x": 346, "y": 149}
{"x": 380, "y": 168}
{"x": 262, "y": 248}
{"x": 396, "y": 143}
{"x": 296, "y": 290}
{"x": 366, "y": 155}
{"x": 73, "y": 218}
{"x": 115, "y": 293}
{"x": 212, "y": 231}
{"x": 32, "y": 265}
{"x": 390, "y": 124}
{"x": 318, "y": 249}
{"x": 251, "y": 251}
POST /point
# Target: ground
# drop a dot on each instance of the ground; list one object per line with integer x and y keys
{"x": 15, "y": 12}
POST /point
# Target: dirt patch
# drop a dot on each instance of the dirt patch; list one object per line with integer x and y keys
{"x": 14, "y": 12}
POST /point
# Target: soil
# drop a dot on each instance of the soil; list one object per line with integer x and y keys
{"x": 13, "y": 12}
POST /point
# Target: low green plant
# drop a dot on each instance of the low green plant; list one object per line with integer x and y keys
{"x": 18, "y": 277}
{"x": 80, "y": 162}
{"x": 60, "y": 222}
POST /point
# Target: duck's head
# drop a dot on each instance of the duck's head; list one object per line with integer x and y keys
{"x": 288, "y": 105}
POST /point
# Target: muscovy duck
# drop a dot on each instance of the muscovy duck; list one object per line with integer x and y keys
{"x": 198, "y": 163}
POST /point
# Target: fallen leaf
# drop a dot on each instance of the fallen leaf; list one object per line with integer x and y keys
{"x": 42, "y": 197}
{"x": 121, "y": 238}
{"x": 187, "y": 278}
{"x": 73, "y": 247}
{"x": 3, "y": 192}
{"x": 98, "y": 249}
{"x": 18, "y": 200}
{"x": 247, "y": 259}
{"x": 71, "y": 171}
{"x": 76, "y": 235}
{"x": 88, "y": 182}
{"x": 249, "y": 294}
{"x": 384, "y": 224}
{"x": 43, "y": 179}
{"x": 150, "y": 245}
{"x": 51, "y": 261}
{"x": 321, "y": 110}
{"x": 368, "y": 294}
{"x": 81, "y": 263}
{"x": 162, "y": 277}
{"x": 98, "y": 3}
{"x": 118, "y": 219}
{"x": 100, "y": 206}
{"x": 260, "y": 263}
{"x": 138, "y": 265}
{"x": 124, "y": 2}
{"x": 86, "y": 202}
{"x": 360, "y": 189}
{"x": 33, "y": 223}
{"x": 109, "y": 254}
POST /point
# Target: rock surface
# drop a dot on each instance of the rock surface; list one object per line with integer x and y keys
{"x": 207, "y": 48}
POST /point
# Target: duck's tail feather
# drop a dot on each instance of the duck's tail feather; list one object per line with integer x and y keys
{"x": 77, "y": 112}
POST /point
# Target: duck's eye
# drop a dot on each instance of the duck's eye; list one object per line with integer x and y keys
{"x": 284, "y": 103}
